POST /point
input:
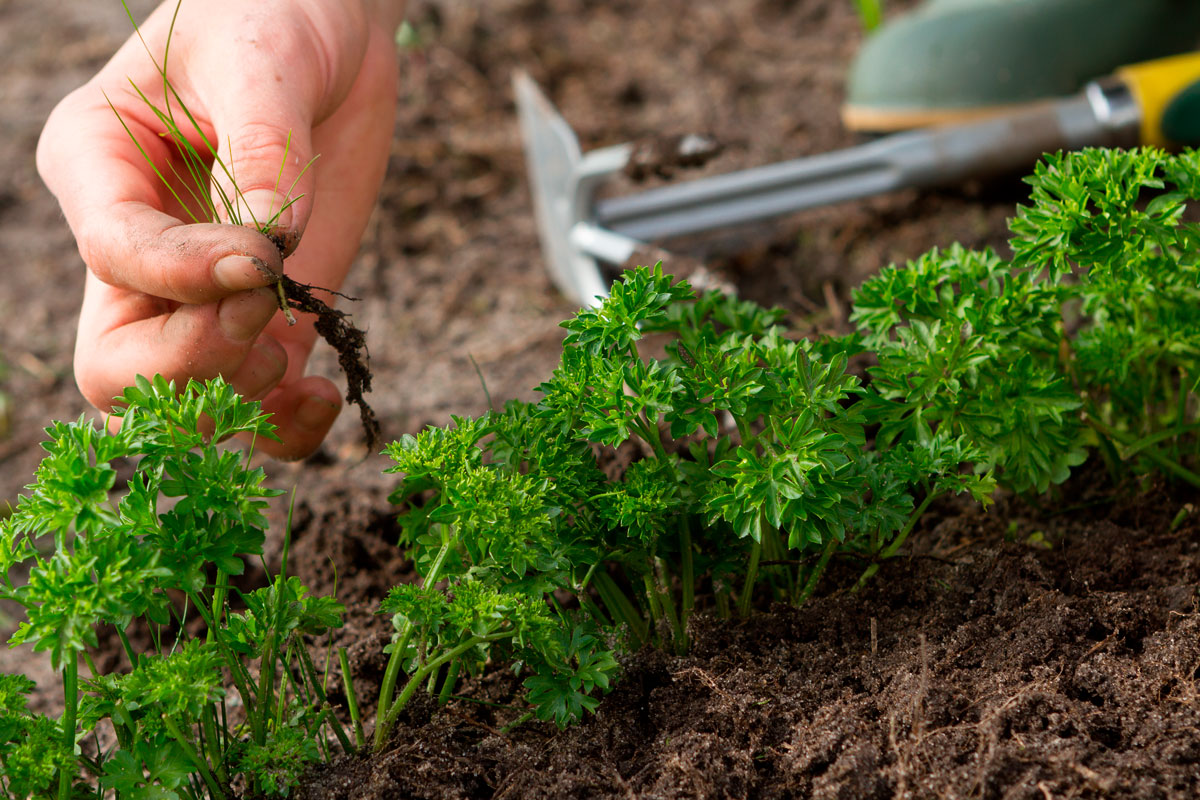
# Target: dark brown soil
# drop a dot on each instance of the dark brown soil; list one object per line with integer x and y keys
{"x": 994, "y": 663}
{"x": 985, "y": 666}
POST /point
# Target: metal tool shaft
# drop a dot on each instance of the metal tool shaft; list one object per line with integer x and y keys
{"x": 1105, "y": 115}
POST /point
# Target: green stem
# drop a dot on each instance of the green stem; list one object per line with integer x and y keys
{"x": 1152, "y": 453}
{"x": 448, "y": 684}
{"x": 387, "y": 689}
{"x": 649, "y": 432}
{"x": 870, "y": 12}
{"x": 188, "y": 748}
{"x": 212, "y": 740}
{"x": 773, "y": 549}
{"x": 421, "y": 674}
{"x": 751, "y": 577}
{"x": 266, "y": 690}
{"x": 351, "y": 698}
{"x": 518, "y": 722}
{"x": 1112, "y": 459}
{"x": 744, "y": 432}
{"x": 913, "y": 518}
{"x": 281, "y": 705}
{"x": 663, "y": 584}
{"x": 595, "y": 612}
{"x": 687, "y": 572}
{"x": 71, "y": 699}
{"x": 128, "y": 646}
{"x": 310, "y": 674}
{"x": 619, "y": 606}
{"x": 891, "y": 549}
{"x": 818, "y": 569}
{"x": 721, "y": 599}
{"x": 651, "y": 591}
{"x": 123, "y": 724}
{"x": 392, "y": 673}
{"x": 220, "y": 591}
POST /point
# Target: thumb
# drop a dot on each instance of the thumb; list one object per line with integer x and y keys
{"x": 267, "y": 182}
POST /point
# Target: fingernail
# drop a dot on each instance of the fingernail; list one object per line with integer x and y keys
{"x": 242, "y": 316}
{"x": 235, "y": 273}
{"x": 315, "y": 412}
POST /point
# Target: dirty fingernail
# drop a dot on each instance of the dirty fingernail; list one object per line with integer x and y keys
{"x": 315, "y": 412}
{"x": 243, "y": 315}
{"x": 235, "y": 273}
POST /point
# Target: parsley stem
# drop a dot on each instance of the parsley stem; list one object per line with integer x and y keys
{"x": 309, "y": 673}
{"x": 418, "y": 677}
{"x": 818, "y": 569}
{"x": 351, "y": 698}
{"x": 662, "y": 582}
{"x": 518, "y": 722}
{"x": 656, "y": 611}
{"x": 913, "y": 518}
{"x": 211, "y": 738}
{"x": 648, "y": 430}
{"x": 71, "y": 698}
{"x": 384, "y": 710}
{"x": 448, "y": 683}
{"x": 721, "y": 599}
{"x": 130, "y": 653}
{"x": 220, "y": 590}
{"x": 891, "y": 549}
{"x": 189, "y": 749}
{"x": 1152, "y": 453}
{"x": 687, "y": 577}
{"x": 619, "y": 606}
{"x": 751, "y": 578}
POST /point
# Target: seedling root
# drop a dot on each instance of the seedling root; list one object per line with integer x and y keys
{"x": 350, "y": 342}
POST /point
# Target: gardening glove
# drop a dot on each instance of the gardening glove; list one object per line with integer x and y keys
{"x": 273, "y": 84}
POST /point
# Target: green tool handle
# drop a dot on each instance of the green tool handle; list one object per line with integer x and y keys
{"x": 1167, "y": 92}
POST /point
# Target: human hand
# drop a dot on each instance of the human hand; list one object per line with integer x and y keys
{"x": 193, "y": 300}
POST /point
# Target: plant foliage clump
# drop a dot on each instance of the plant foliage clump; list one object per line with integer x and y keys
{"x": 157, "y": 553}
{"x": 692, "y": 450}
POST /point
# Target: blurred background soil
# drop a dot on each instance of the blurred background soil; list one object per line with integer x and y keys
{"x": 999, "y": 670}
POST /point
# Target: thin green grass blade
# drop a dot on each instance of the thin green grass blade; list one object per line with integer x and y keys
{"x": 147, "y": 157}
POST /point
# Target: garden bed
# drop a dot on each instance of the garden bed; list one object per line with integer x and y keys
{"x": 994, "y": 663}
{"x": 1040, "y": 652}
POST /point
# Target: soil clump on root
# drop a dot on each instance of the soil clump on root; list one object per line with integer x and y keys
{"x": 350, "y": 342}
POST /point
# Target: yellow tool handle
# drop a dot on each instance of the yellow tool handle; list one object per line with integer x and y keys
{"x": 1167, "y": 91}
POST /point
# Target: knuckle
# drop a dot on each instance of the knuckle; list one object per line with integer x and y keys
{"x": 253, "y": 143}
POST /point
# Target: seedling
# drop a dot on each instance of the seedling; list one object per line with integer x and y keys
{"x": 194, "y": 192}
